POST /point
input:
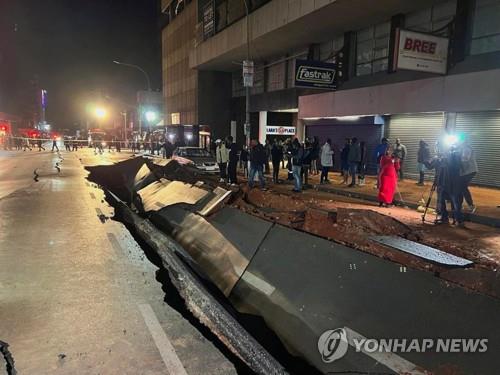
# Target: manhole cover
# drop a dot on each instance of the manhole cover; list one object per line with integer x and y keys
{"x": 422, "y": 251}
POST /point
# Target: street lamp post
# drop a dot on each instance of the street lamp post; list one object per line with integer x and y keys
{"x": 248, "y": 82}
{"x": 148, "y": 85}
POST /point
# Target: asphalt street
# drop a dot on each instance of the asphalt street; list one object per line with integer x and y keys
{"x": 77, "y": 293}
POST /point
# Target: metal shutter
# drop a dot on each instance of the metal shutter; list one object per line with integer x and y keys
{"x": 371, "y": 134}
{"x": 483, "y": 131}
{"x": 410, "y": 129}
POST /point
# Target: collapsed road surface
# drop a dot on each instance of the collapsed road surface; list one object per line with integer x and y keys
{"x": 321, "y": 298}
{"x": 77, "y": 294}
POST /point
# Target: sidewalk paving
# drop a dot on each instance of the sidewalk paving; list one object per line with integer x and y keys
{"x": 485, "y": 199}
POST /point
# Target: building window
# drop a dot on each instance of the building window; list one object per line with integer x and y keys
{"x": 372, "y": 49}
{"x": 432, "y": 19}
{"x": 486, "y": 27}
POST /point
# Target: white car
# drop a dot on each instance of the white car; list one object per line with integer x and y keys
{"x": 196, "y": 156}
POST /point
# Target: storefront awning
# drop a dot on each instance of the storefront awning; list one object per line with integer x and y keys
{"x": 451, "y": 93}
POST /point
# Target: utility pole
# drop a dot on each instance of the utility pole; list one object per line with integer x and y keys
{"x": 248, "y": 73}
{"x": 148, "y": 85}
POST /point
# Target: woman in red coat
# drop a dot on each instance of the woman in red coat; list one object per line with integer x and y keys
{"x": 389, "y": 167}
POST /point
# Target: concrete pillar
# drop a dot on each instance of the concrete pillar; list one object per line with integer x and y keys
{"x": 233, "y": 130}
{"x": 301, "y": 130}
{"x": 262, "y": 126}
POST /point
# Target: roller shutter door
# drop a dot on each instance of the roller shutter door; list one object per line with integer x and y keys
{"x": 483, "y": 131}
{"x": 410, "y": 129}
{"x": 371, "y": 134}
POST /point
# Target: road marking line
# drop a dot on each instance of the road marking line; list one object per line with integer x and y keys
{"x": 167, "y": 351}
{"x": 258, "y": 283}
{"x": 389, "y": 360}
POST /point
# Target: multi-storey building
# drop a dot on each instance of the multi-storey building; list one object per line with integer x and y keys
{"x": 404, "y": 69}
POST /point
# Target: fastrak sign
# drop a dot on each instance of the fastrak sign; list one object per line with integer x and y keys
{"x": 315, "y": 74}
{"x": 423, "y": 52}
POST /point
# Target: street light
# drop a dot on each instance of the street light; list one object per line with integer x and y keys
{"x": 247, "y": 65}
{"x": 148, "y": 85}
{"x": 100, "y": 112}
{"x": 151, "y": 116}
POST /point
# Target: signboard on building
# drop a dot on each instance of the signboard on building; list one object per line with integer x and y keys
{"x": 422, "y": 52}
{"x": 208, "y": 20}
{"x": 315, "y": 74}
{"x": 280, "y": 130}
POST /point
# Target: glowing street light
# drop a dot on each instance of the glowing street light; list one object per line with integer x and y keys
{"x": 151, "y": 116}
{"x": 100, "y": 112}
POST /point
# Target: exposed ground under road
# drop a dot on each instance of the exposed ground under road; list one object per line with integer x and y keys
{"x": 77, "y": 295}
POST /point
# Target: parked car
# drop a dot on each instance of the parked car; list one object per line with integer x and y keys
{"x": 197, "y": 156}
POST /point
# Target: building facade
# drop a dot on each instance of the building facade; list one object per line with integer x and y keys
{"x": 405, "y": 69}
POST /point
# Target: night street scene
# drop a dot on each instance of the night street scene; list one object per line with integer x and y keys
{"x": 222, "y": 187}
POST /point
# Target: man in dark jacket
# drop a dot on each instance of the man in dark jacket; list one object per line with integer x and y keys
{"x": 423, "y": 156}
{"x": 448, "y": 186}
{"x": 258, "y": 158}
{"x": 276, "y": 157}
{"x": 232, "y": 161}
{"x": 354, "y": 158}
{"x": 297, "y": 155}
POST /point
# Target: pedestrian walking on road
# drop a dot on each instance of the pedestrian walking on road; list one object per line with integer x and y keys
{"x": 276, "y": 157}
{"x": 400, "y": 153}
{"x": 388, "y": 178}
{"x": 327, "y": 155}
{"x": 423, "y": 156}
{"x": 258, "y": 158}
{"x": 222, "y": 157}
{"x": 354, "y": 158}
{"x": 232, "y": 161}
{"x": 40, "y": 145}
{"x": 54, "y": 145}
{"x": 297, "y": 155}
{"x": 344, "y": 160}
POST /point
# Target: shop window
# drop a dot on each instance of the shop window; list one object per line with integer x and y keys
{"x": 486, "y": 27}
{"x": 328, "y": 50}
{"x": 432, "y": 19}
{"x": 372, "y": 49}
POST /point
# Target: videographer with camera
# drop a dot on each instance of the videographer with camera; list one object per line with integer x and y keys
{"x": 448, "y": 182}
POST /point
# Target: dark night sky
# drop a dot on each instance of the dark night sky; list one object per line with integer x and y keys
{"x": 70, "y": 45}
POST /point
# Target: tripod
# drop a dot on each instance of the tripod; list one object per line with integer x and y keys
{"x": 429, "y": 199}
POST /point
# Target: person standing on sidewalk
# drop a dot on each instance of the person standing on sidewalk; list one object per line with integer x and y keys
{"x": 388, "y": 178}
{"x": 233, "y": 161}
{"x": 377, "y": 155}
{"x": 400, "y": 153}
{"x": 297, "y": 154}
{"x": 221, "y": 156}
{"x": 354, "y": 158}
{"x": 362, "y": 163}
{"x": 267, "y": 148}
{"x": 244, "y": 161}
{"x": 344, "y": 160}
{"x": 306, "y": 164}
{"x": 468, "y": 169}
{"x": 257, "y": 160}
{"x": 423, "y": 156}
{"x": 276, "y": 157}
{"x": 327, "y": 155}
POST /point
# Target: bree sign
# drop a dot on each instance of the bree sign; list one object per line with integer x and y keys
{"x": 424, "y": 52}
{"x": 315, "y": 74}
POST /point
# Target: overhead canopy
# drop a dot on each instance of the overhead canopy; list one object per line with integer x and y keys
{"x": 451, "y": 93}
